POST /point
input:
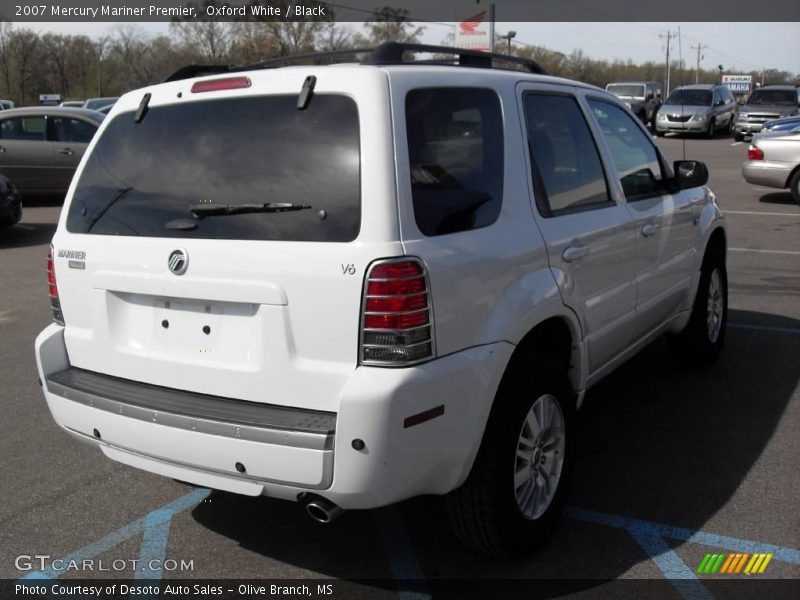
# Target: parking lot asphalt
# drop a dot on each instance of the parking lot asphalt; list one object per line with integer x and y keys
{"x": 673, "y": 462}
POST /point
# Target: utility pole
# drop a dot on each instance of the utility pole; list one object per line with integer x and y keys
{"x": 667, "y": 36}
{"x": 699, "y": 49}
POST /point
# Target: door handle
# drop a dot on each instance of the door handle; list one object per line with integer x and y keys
{"x": 650, "y": 229}
{"x": 573, "y": 253}
{"x": 67, "y": 151}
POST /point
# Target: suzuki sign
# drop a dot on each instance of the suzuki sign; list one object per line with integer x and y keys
{"x": 738, "y": 84}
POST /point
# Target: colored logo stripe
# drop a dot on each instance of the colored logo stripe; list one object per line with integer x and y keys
{"x": 734, "y": 563}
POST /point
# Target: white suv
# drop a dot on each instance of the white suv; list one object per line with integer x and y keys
{"x": 349, "y": 285}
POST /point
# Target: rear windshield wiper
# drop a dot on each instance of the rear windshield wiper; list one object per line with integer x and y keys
{"x": 206, "y": 210}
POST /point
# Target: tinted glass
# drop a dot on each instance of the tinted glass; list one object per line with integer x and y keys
{"x": 634, "y": 156}
{"x": 563, "y": 154}
{"x": 782, "y": 97}
{"x": 455, "y": 148}
{"x": 72, "y": 130}
{"x": 254, "y": 150}
{"x": 23, "y": 128}
{"x": 96, "y": 103}
{"x": 690, "y": 97}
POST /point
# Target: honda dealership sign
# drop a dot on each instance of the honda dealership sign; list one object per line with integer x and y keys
{"x": 476, "y": 32}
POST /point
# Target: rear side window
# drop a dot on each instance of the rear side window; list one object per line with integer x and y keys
{"x": 455, "y": 147}
{"x": 66, "y": 129}
{"x": 567, "y": 171}
{"x": 23, "y": 128}
{"x": 154, "y": 178}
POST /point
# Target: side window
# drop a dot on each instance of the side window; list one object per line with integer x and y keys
{"x": 566, "y": 166}
{"x": 634, "y": 155}
{"x": 455, "y": 148}
{"x": 72, "y": 130}
{"x": 23, "y": 128}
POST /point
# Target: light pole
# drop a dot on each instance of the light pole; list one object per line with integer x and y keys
{"x": 508, "y": 37}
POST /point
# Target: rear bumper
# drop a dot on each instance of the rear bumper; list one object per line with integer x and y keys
{"x": 745, "y": 128}
{"x": 767, "y": 173}
{"x": 404, "y": 454}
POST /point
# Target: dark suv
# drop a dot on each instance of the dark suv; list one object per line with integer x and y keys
{"x": 642, "y": 97}
{"x": 766, "y": 104}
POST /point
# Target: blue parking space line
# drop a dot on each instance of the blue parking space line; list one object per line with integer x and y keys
{"x": 122, "y": 534}
{"x": 154, "y": 544}
{"x": 680, "y": 576}
{"x": 782, "y": 553}
{"x": 400, "y": 554}
{"x": 771, "y": 329}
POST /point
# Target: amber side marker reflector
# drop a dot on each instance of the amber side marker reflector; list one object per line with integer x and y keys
{"x": 427, "y": 415}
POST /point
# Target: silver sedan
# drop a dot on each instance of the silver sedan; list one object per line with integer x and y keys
{"x": 773, "y": 160}
{"x": 40, "y": 147}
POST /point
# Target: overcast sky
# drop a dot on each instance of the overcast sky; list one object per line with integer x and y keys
{"x": 736, "y": 46}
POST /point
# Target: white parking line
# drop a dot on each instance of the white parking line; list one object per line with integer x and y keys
{"x": 767, "y": 214}
{"x": 764, "y": 251}
{"x": 737, "y": 143}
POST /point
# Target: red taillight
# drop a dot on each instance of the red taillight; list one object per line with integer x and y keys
{"x": 224, "y": 83}
{"x": 397, "y": 323}
{"x": 55, "y": 303}
{"x": 755, "y": 153}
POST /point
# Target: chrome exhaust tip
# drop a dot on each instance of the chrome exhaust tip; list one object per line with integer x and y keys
{"x": 322, "y": 510}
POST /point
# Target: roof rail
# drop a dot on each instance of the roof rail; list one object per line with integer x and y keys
{"x": 391, "y": 53}
{"x": 388, "y": 53}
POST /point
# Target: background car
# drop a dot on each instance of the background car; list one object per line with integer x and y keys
{"x": 6, "y": 104}
{"x": 95, "y": 103}
{"x": 642, "y": 97}
{"x": 10, "y": 203}
{"x": 703, "y": 108}
{"x": 40, "y": 147}
{"x": 73, "y": 103}
{"x": 784, "y": 124}
{"x": 105, "y": 109}
{"x": 773, "y": 160}
{"x": 767, "y": 103}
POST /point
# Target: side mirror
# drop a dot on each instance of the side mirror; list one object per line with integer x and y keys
{"x": 719, "y": 102}
{"x": 689, "y": 174}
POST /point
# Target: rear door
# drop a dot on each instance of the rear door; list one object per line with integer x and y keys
{"x": 169, "y": 274}
{"x": 589, "y": 235}
{"x": 70, "y": 136}
{"x": 26, "y": 157}
{"x": 663, "y": 221}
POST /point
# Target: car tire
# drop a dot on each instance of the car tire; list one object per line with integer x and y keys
{"x": 712, "y": 129}
{"x": 506, "y": 507}
{"x": 738, "y": 136}
{"x": 660, "y": 133}
{"x": 700, "y": 343}
{"x": 794, "y": 186}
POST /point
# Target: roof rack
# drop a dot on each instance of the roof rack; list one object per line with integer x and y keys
{"x": 388, "y": 53}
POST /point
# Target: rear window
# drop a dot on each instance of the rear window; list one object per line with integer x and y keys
{"x": 634, "y": 91}
{"x": 153, "y": 178}
{"x": 455, "y": 147}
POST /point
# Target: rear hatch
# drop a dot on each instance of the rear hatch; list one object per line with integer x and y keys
{"x": 217, "y": 243}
